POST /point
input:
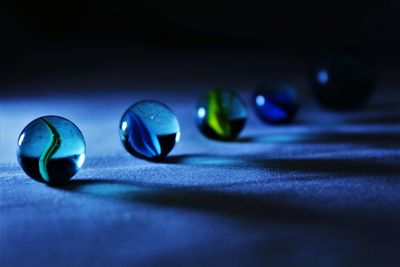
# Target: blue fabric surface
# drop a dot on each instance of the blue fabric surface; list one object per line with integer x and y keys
{"x": 323, "y": 191}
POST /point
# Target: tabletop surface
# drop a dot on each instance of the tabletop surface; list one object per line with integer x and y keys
{"x": 323, "y": 191}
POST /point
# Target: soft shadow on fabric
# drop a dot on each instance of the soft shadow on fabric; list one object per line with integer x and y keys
{"x": 385, "y": 139}
{"x": 256, "y": 207}
{"x": 341, "y": 167}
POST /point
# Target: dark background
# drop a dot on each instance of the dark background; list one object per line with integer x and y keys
{"x": 44, "y": 39}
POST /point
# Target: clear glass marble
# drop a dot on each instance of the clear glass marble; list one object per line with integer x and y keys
{"x": 51, "y": 149}
{"x": 149, "y": 130}
{"x": 221, "y": 114}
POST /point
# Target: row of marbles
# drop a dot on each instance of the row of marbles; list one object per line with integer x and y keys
{"x": 52, "y": 149}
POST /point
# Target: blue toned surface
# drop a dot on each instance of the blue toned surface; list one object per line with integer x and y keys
{"x": 323, "y": 192}
{"x": 221, "y": 114}
{"x": 276, "y": 102}
{"x": 342, "y": 80}
{"x": 51, "y": 149}
{"x": 149, "y": 130}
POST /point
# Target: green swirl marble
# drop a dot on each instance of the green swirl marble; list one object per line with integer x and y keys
{"x": 221, "y": 114}
{"x": 51, "y": 149}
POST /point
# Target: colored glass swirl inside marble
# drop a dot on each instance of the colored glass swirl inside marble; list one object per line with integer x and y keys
{"x": 221, "y": 114}
{"x": 342, "y": 80}
{"x": 51, "y": 149}
{"x": 149, "y": 130}
{"x": 276, "y": 102}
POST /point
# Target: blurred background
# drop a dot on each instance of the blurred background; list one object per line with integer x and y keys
{"x": 127, "y": 45}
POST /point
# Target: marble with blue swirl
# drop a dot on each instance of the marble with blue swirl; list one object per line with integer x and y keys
{"x": 51, "y": 149}
{"x": 276, "y": 102}
{"x": 149, "y": 130}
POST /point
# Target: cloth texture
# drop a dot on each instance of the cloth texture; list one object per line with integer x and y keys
{"x": 322, "y": 191}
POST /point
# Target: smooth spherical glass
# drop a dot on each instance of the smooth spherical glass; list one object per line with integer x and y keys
{"x": 149, "y": 130}
{"x": 221, "y": 114}
{"x": 276, "y": 102}
{"x": 342, "y": 80}
{"x": 51, "y": 149}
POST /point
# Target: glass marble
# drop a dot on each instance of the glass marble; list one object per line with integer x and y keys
{"x": 51, "y": 149}
{"x": 276, "y": 102}
{"x": 221, "y": 114}
{"x": 149, "y": 130}
{"x": 342, "y": 80}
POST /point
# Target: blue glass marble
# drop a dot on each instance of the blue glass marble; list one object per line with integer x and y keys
{"x": 149, "y": 130}
{"x": 221, "y": 114}
{"x": 51, "y": 149}
{"x": 276, "y": 102}
{"x": 342, "y": 80}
